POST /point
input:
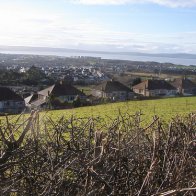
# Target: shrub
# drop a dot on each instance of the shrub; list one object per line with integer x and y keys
{"x": 74, "y": 157}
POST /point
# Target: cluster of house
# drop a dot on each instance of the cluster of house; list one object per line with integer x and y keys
{"x": 152, "y": 88}
{"x": 85, "y": 75}
{"x": 149, "y": 88}
{"x": 113, "y": 90}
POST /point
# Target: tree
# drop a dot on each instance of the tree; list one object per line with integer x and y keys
{"x": 50, "y": 100}
{"x": 77, "y": 102}
{"x": 34, "y": 74}
{"x": 136, "y": 81}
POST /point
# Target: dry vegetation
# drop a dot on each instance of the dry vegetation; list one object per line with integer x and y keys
{"x": 74, "y": 157}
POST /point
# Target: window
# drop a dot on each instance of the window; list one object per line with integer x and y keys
{"x": 72, "y": 98}
{"x": 7, "y": 103}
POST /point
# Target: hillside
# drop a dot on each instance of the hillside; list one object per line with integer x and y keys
{"x": 164, "y": 108}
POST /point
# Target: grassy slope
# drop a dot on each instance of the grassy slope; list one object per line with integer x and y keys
{"x": 164, "y": 108}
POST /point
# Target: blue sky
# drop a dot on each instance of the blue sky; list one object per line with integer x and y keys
{"x": 152, "y": 26}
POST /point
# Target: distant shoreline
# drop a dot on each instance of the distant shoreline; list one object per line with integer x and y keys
{"x": 179, "y": 59}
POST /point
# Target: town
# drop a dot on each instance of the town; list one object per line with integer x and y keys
{"x": 51, "y": 82}
{"x": 97, "y": 97}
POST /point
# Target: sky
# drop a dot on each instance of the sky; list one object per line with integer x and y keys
{"x": 150, "y": 26}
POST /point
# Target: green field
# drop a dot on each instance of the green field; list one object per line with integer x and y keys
{"x": 164, "y": 108}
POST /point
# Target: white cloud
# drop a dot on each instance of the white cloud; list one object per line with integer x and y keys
{"x": 44, "y": 29}
{"x": 33, "y": 27}
{"x": 169, "y": 3}
{"x": 175, "y": 3}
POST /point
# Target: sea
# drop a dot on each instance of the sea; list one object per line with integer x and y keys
{"x": 121, "y": 56}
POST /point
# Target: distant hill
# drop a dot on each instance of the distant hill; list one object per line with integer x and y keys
{"x": 66, "y": 50}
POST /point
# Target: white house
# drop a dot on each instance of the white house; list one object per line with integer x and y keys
{"x": 113, "y": 90}
{"x": 184, "y": 86}
{"x": 151, "y": 88}
{"x": 60, "y": 92}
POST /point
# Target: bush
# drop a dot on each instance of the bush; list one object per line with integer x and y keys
{"x": 77, "y": 102}
{"x": 70, "y": 157}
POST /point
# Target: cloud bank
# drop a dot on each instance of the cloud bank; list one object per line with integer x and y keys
{"x": 30, "y": 26}
{"x": 169, "y": 3}
{"x": 44, "y": 29}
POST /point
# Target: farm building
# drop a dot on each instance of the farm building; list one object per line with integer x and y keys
{"x": 184, "y": 86}
{"x": 151, "y": 88}
{"x": 113, "y": 90}
{"x": 10, "y": 102}
{"x": 58, "y": 93}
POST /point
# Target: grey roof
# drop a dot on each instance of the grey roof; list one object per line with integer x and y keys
{"x": 61, "y": 90}
{"x": 31, "y": 98}
{"x": 183, "y": 83}
{"x": 46, "y": 91}
{"x": 154, "y": 84}
{"x": 7, "y": 94}
{"x": 38, "y": 102}
{"x": 111, "y": 86}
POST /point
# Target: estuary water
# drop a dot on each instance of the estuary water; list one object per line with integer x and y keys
{"x": 121, "y": 56}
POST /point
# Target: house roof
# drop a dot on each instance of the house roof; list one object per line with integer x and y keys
{"x": 61, "y": 90}
{"x": 110, "y": 86}
{"x": 38, "y": 102}
{"x": 153, "y": 85}
{"x": 31, "y": 98}
{"x": 183, "y": 83}
{"x": 7, "y": 94}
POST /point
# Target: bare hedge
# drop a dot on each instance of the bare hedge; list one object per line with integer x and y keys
{"x": 81, "y": 157}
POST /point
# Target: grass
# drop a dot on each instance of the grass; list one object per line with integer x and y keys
{"x": 86, "y": 89}
{"x": 164, "y": 108}
{"x": 74, "y": 157}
